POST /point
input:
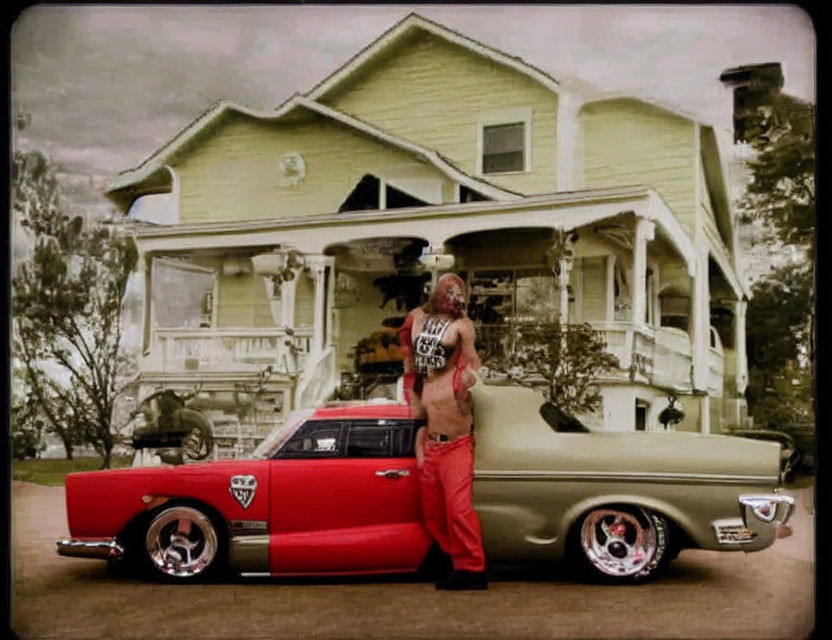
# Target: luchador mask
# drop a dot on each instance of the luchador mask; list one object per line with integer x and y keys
{"x": 450, "y": 295}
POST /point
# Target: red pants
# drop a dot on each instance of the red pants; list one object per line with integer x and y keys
{"x": 447, "y": 478}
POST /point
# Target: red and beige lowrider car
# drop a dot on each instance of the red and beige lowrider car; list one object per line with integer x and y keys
{"x": 335, "y": 491}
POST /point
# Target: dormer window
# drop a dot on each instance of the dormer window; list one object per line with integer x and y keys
{"x": 504, "y": 142}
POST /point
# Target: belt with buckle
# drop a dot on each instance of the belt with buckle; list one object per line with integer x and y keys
{"x": 439, "y": 437}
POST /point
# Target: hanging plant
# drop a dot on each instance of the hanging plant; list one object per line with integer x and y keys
{"x": 671, "y": 414}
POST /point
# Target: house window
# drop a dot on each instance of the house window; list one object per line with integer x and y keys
{"x": 503, "y": 148}
{"x": 519, "y": 295}
{"x": 182, "y": 294}
{"x": 504, "y": 141}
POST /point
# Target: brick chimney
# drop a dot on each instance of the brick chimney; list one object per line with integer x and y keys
{"x": 755, "y": 86}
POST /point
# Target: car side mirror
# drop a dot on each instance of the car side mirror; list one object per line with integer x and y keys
{"x": 559, "y": 420}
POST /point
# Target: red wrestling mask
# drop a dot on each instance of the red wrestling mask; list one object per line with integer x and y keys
{"x": 449, "y": 295}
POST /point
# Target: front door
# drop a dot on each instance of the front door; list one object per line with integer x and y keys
{"x": 345, "y": 499}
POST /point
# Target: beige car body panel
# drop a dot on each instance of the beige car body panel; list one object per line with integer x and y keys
{"x": 533, "y": 483}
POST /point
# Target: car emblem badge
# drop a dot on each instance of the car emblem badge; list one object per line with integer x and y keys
{"x": 243, "y": 489}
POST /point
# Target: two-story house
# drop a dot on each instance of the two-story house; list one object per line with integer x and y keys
{"x": 308, "y": 229}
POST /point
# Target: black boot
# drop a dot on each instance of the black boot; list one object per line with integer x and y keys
{"x": 465, "y": 581}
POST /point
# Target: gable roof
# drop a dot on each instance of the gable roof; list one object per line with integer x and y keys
{"x": 408, "y": 25}
{"x": 159, "y": 158}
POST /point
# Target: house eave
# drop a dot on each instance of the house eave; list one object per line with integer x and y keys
{"x": 416, "y": 21}
{"x": 557, "y": 200}
{"x": 130, "y": 179}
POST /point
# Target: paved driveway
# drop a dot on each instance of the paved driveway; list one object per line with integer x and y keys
{"x": 703, "y": 595}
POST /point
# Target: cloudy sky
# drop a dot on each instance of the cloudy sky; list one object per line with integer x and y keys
{"x": 103, "y": 87}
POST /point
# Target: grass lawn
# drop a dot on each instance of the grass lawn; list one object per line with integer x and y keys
{"x": 52, "y": 472}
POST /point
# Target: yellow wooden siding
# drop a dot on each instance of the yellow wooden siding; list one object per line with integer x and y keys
{"x": 432, "y": 92}
{"x": 626, "y": 142}
{"x": 594, "y": 295}
{"x": 360, "y": 320}
{"x": 231, "y": 173}
{"x": 235, "y": 301}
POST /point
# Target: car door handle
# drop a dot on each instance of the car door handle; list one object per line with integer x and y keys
{"x": 392, "y": 473}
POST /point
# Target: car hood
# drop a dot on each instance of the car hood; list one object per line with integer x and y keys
{"x": 511, "y": 435}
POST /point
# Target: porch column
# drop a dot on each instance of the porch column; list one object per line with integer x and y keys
{"x": 739, "y": 344}
{"x": 319, "y": 265}
{"x": 609, "y": 314}
{"x": 287, "y": 301}
{"x": 645, "y": 231}
{"x": 565, "y": 267}
{"x": 705, "y": 414}
{"x": 700, "y": 320}
{"x": 146, "y": 271}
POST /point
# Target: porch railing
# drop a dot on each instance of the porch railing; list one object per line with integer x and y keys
{"x": 175, "y": 350}
{"x": 656, "y": 356}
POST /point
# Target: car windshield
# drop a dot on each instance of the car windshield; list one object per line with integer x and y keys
{"x": 279, "y": 435}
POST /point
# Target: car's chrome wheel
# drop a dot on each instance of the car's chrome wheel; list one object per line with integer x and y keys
{"x": 181, "y": 542}
{"x": 623, "y": 543}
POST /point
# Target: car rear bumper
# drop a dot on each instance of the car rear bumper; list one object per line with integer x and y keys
{"x": 762, "y": 520}
{"x": 104, "y": 548}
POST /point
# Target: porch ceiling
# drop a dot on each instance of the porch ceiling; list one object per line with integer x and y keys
{"x": 434, "y": 224}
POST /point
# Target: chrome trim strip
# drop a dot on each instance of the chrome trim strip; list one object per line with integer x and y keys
{"x": 243, "y": 526}
{"x": 105, "y": 549}
{"x": 255, "y": 574}
{"x": 732, "y": 531}
{"x": 631, "y": 476}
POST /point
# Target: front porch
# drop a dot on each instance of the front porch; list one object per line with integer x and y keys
{"x": 313, "y": 299}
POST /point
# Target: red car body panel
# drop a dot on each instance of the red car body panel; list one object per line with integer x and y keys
{"x": 102, "y": 503}
{"x": 338, "y": 515}
{"x": 381, "y": 411}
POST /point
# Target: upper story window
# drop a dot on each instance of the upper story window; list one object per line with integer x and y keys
{"x": 503, "y": 148}
{"x": 504, "y": 141}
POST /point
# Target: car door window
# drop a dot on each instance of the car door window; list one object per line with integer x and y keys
{"x": 314, "y": 440}
{"x": 369, "y": 439}
{"x": 404, "y": 435}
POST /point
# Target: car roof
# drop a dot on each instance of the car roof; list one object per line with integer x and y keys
{"x": 363, "y": 410}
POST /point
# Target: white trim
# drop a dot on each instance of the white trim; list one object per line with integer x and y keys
{"x": 719, "y": 252}
{"x": 623, "y": 476}
{"x": 184, "y": 265}
{"x": 153, "y": 163}
{"x": 176, "y": 190}
{"x": 566, "y": 135}
{"x": 382, "y": 194}
{"x": 411, "y": 22}
{"x": 522, "y": 115}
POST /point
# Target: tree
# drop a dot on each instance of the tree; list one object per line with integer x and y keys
{"x": 26, "y": 425}
{"x": 782, "y": 189}
{"x": 777, "y": 343}
{"x": 67, "y": 301}
{"x": 780, "y": 319}
{"x": 564, "y": 361}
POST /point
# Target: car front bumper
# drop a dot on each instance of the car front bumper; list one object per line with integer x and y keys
{"x": 762, "y": 520}
{"x": 104, "y": 548}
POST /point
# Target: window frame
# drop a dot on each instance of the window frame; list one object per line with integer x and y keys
{"x": 282, "y": 454}
{"x": 401, "y": 445}
{"x": 517, "y": 115}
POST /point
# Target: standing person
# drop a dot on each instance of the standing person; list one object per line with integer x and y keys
{"x": 439, "y": 369}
